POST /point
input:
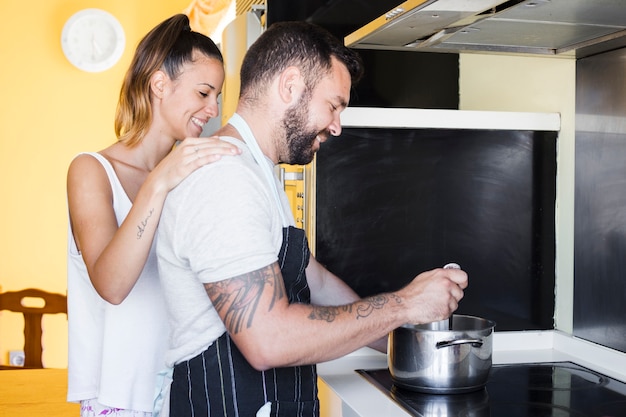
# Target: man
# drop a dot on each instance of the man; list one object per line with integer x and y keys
{"x": 251, "y": 310}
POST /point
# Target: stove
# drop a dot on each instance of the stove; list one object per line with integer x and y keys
{"x": 553, "y": 389}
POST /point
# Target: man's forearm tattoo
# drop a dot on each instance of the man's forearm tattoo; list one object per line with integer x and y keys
{"x": 362, "y": 308}
{"x": 237, "y": 299}
{"x": 142, "y": 226}
{"x": 328, "y": 313}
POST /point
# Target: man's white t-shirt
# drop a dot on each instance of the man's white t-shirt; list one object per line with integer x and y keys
{"x": 220, "y": 222}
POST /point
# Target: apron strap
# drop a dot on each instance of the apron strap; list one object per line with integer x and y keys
{"x": 246, "y": 133}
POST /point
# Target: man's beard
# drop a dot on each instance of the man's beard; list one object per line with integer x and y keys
{"x": 299, "y": 139}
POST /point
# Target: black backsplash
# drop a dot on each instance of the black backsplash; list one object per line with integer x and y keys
{"x": 392, "y": 203}
{"x": 408, "y": 79}
{"x": 341, "y": 17}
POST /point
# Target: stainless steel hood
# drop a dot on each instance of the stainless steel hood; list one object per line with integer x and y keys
{"x": 561, "y": 28}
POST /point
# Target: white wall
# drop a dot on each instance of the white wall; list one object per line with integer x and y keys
{"x": 534, "y": 84}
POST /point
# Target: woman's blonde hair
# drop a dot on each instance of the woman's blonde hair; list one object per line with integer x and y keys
{"x": 167, "y": 47}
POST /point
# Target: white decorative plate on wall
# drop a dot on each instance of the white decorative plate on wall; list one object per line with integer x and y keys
{"x": 93, "y": 40}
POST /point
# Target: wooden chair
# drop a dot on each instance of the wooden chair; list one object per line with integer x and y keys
{"x": 53, "y": 304}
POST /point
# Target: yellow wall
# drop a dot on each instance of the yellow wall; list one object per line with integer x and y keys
{"x": 50, "y": 111}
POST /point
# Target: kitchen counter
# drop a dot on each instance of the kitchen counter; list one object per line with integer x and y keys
{"x": 344, "y": 393}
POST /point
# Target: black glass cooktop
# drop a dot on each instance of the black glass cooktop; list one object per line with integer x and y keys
{"x": 555, "y": 389}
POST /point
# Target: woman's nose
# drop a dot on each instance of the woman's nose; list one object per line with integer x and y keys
{"x": 212, "y": 109}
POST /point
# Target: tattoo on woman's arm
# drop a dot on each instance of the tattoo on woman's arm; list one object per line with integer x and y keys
{"x": 363, "y": 308}
{"x": 237, "y": 299}
{"x": 142, "y": 226}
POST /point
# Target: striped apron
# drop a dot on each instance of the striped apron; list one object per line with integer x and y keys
{"x": 220, "y": 382}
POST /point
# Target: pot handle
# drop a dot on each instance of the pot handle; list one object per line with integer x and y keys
{"x": 447, "y": 343}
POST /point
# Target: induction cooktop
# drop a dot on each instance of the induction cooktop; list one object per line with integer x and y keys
{"x": 553, "y": 389}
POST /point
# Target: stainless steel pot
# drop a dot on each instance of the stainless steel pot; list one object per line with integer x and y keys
{"x": 453, "y": 361}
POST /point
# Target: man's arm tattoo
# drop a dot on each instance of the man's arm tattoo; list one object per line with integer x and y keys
{"x": 237, "y": 299}
{"x": 363, "y": 308}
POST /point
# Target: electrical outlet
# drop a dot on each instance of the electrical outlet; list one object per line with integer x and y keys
{"x": 16, "y": 358}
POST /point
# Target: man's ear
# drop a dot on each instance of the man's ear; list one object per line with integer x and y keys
{"x": 290, "y": 84}
{"x": 157, "y": 83}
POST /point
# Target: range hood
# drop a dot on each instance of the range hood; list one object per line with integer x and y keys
{"x": 560, "y": 28}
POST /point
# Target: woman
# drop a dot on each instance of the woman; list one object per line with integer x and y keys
{"x": 117, "y": 319}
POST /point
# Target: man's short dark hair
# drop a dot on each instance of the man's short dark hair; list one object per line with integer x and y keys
{"x": 304, "y": 45}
